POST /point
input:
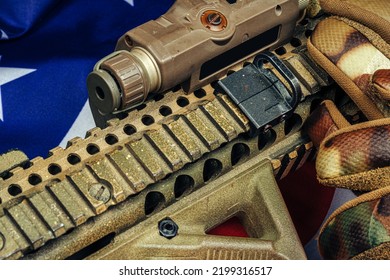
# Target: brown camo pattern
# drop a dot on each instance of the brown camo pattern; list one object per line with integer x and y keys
{"x": 380, "y": 89}
{"x": 381, "y": 79}
{"x": 356, "y": 229}
{"x": 353, "y": 53}
{"x": 354, "y": 152}
{"x": 382, "y": 212}
{"x": 378, "y": 7}
{"x": 360, "y": 150}
{"x": 320, "y": 124}
{"x": 377, "y": 86}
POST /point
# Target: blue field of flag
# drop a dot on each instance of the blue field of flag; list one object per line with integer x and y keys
{"x": 47, "y": 49}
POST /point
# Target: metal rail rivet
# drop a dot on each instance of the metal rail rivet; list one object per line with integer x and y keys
{"x": 100, "y": 192}
{"x": 2, "y": 241}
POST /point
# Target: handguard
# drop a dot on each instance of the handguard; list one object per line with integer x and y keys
{"x": 180, "y": 231}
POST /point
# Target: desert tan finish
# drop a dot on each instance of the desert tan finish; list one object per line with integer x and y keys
{"x": 288, "y": 153}
{"x": 74, "y": 186}
{"x": 248, "y": 192}
{"x": 56, "y": 206}
{"x": 42, "y": 202}
{"x": 10, "y": 160}
{"x": 193, "y": 43}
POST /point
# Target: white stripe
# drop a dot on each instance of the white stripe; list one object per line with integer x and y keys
{"x": 81, "y": 125}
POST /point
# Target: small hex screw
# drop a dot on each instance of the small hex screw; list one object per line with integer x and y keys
{"x": 283, "y": 118}
{"x": 267, "y": 128}
{"x": 168, "y": 228}
{"x": 100, "y": 192}
{"x": 2, "y": 241}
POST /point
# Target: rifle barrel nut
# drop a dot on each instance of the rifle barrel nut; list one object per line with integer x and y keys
{"x": 168, "y": 228}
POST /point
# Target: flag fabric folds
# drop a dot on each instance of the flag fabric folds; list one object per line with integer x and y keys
{"x": 47, "y": 49}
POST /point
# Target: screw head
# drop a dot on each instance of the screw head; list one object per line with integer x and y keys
{"x": 267, "y": 128}
{"x": 129, "y": 41}
{"x": 2, "y": 241}
{"x": 168, "y": 228}
{"x": 100, "y": 192}
{"x": 214, "y": 20}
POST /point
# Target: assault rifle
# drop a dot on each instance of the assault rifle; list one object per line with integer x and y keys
{"x": 150, "y": 182}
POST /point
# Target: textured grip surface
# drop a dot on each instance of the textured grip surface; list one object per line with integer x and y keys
{"x": 129, "y": 76}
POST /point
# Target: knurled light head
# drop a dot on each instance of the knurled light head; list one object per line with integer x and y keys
{"x": 122, "y": 80}
{"x": 103, "y": 91}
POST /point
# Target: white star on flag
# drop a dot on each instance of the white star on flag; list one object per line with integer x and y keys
{"x": 3, "y": 35}
{"x": 8, "y": 74}
{"x": 131, "y": 2}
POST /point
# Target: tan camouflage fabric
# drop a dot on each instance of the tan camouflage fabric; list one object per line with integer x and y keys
{"x": 374, "y": 14}
{"x": 364, "y": 69}
{"x": 353, "y": 47}
{"x": 355, "y": 157}
{"x": 358, "y": 227}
